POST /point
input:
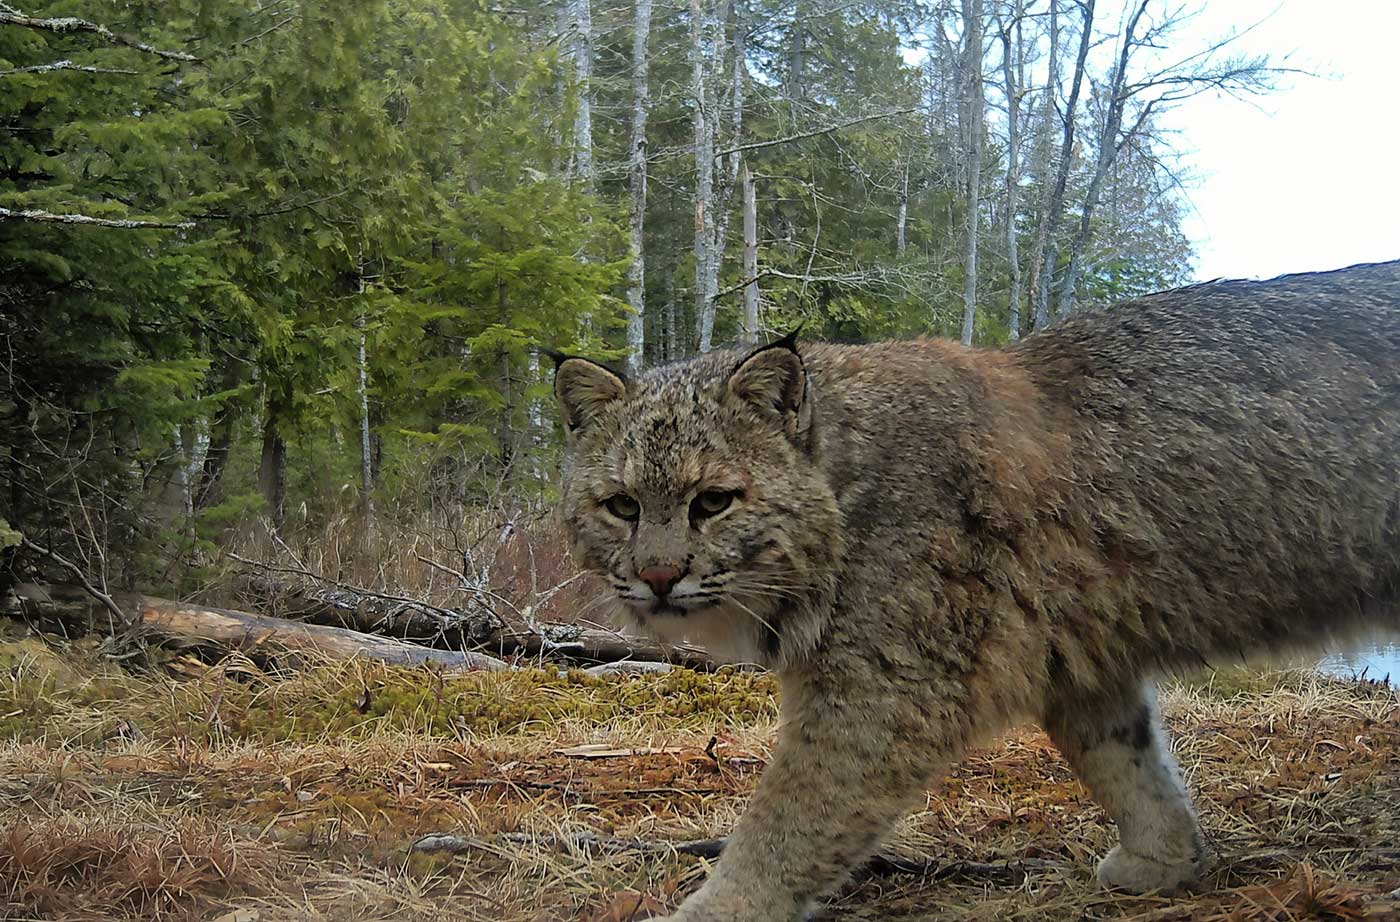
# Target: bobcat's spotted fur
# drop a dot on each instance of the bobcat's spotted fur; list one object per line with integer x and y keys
{"x": 929, "y": 542}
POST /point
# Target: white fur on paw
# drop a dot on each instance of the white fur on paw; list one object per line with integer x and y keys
{"x": 1121, "y": 869}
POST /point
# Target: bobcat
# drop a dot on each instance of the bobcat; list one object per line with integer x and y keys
{"x": 928, "y": 543}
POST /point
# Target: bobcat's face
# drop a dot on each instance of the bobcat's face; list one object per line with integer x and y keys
{"x": 693, "y": 492}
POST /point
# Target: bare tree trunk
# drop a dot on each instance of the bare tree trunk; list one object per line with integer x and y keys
{"x": 797, "y": 53}
{"x": 583, "y": 77}
{"x": 1013, "y": 167}
{"x": 1109, "y": 146}
{"x": 538, "y": 471}
{"x": 673, "y": 325}
{"x": 701, "y": 36}
{"x": 507, "y": 433}
{"x": 1045, "y": 159}
{"x": 902, "y": 222}
{"x": 637, "y": 181}
{"x": 1055, "y": 207}
{"x": 729, "y": 179}
{"x": 220, "y": 441}
{"x": 362, "y": 392}
{"x": 750, "y": 257}
{"x": 945, "y": 80}
{"x": 272, "y": 465}
{"x": 973, "y": 104}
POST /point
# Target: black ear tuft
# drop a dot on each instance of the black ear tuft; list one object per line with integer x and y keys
{"x": 555, "y": 356}
{"x": 787, "y": 341}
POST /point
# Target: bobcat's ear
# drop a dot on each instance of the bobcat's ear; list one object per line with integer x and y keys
{"x": 773, "y": 381}
{"x": 584, "y": 388}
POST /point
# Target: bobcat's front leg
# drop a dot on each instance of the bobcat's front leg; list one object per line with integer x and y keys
{"x": 851, "y": 756}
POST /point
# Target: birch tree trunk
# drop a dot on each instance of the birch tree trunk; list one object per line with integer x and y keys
{"x": 637, "y": 181}
{"x": 701, "y": 36}
{"x": 973, "y": 104}
{"x": 583, "y": 77}
{"x": 1013, "y": 167}
{"x": 1055, "y": 207}
{"x": 902, "y": 222}
{"x": 1045, "y": 160}
{"x": 750, "y": 257}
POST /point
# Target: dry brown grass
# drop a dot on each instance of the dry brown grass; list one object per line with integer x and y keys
{"x": 188, "y": 797}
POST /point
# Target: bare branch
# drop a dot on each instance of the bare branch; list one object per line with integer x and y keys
{"x": 66, "y": 24}
{"x": 48, "y": 217}
{"x": 65, "y": 65}
{"x": 268, "y": 31}
{"x": 77, "y": 571}
{"x": 755, "y": 145}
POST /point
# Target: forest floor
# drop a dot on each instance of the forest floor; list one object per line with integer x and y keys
{"x": 179, "y": 790}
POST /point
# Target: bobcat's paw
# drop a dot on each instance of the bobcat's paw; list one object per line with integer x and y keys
{"x": 1121, "y": 869}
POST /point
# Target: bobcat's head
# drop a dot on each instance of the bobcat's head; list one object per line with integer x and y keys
{"x": 694, "y": 491}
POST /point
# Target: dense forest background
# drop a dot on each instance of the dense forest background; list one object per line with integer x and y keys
{"x": 279, "y": 272}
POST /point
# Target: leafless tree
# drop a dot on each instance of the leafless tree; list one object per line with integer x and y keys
{"x": 1051, "y": 215}
{"x": 1146, "y": 95}
{"x": 1012, "y": 50}
{"x": 972, "y": 114}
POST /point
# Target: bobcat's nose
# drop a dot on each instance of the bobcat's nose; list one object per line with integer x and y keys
{"x": 660, "y": 579}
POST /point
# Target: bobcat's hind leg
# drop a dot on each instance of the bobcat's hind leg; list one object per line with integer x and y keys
{"x": 1116, "y": 745}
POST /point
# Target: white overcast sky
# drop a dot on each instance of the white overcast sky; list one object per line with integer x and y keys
{"x": 1305, "y": 178}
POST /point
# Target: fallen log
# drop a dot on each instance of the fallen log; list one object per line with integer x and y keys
{"x": 370, "y": 613}
{"x": 475, "y": 628}
{"x": 225, "y": 630}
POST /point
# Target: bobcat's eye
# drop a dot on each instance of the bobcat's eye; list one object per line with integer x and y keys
{"x": 711, "y": 503}
{"x": 623, "y": 506}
